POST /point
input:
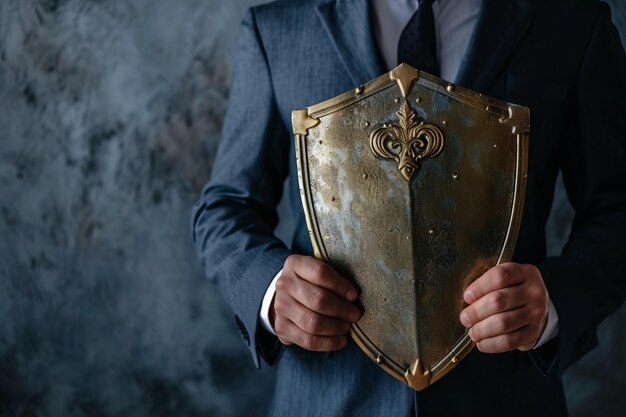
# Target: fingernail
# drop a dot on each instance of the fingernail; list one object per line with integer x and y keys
{"x": 469, "y": 297}
{"x": 464, "y": 319}
{"x": 352, "y": 295}
{"x": 471, "y": 335}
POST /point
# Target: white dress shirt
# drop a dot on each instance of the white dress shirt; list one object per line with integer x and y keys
{"x": 454, "y": 23}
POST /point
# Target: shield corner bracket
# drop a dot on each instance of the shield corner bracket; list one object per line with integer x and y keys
{"x": 302, "y": 121}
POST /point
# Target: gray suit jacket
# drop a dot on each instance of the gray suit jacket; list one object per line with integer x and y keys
{"x": 563, "y": 59}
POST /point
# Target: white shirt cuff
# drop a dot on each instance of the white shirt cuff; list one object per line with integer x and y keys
{"x": 264, "y": 314}
{"x": 552, "y": 326}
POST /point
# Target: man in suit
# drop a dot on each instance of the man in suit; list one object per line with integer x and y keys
{"x": 564, "y": 60}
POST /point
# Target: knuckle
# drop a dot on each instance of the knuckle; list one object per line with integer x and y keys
{"x": 537, "y": 313}
{"x": 288, "y": 266}
{"x": 281, "y": 284}
{"x": 308, "y": 341}
{"x": 319, "y": 299}
{"x": 514, "y": 340}
{"x": 279, "y": 327}
{"x": 312, "y": 323}
{"x": 318, "y": 271}
{"x": 540, "y": 292}
{"x": 534, "y": 291}
{"x": 533, "y": 271}
{"x": 279, "y": 305}
{"x": 498, "y": 301}
{"x": 502, "y": 277}
{"x": 509, "y": 342}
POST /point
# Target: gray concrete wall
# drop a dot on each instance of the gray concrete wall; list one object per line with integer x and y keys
{"x": 110, "y": 113}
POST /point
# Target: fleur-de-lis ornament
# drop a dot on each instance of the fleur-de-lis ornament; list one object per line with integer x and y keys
{"x": 407, "y": 142}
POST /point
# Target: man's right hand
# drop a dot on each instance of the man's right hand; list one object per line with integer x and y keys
{"x": 313, "y": 305}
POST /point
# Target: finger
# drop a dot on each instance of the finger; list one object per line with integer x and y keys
{"x": 321, "y": 274}
{"x": 320, "y": 300}
{"x": 506, "y": 342}
{"x": 492, "y": 303}
{"x": 314, "y": 323}
{"x": 293, "y": 334}
{"x": 496, "y": 278}
{"x": 499, "y": 324}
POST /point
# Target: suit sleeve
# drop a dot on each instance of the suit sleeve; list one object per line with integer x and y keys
{"x": 234, "y": 219}
{"x": 588, "y": 281}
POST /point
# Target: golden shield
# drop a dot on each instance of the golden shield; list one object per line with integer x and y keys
{"x": 412, "y": 188}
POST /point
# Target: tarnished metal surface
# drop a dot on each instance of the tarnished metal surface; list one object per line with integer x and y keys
{"x": 412, "y": 188}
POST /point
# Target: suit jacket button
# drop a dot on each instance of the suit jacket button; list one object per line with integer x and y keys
{"x": 242, "y": 330}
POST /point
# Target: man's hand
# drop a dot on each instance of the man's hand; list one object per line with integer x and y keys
{"x": 508, "y": 307}
{"x": 313, "y": 306}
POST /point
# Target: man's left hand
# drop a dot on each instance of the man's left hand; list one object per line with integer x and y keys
{"x": 508, "y": 308}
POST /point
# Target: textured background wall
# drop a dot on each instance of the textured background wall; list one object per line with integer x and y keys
{"x": 110, "y": 113}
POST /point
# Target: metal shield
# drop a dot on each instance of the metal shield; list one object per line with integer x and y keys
{"x": 412, "y": 188}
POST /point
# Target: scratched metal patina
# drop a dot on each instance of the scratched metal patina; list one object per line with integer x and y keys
{"x": 412, "y": 193}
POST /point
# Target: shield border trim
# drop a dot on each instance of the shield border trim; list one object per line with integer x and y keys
{"x": 517, "y": 117}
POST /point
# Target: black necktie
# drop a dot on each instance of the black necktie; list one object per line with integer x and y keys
{"x": 418, "y": 43}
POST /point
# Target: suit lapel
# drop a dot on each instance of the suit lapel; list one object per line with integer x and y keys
{"x": 501, "y": 25}
{"x": 347, "y": 23}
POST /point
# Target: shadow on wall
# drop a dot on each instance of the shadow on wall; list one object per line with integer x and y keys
{"x": 110, "y": 118}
